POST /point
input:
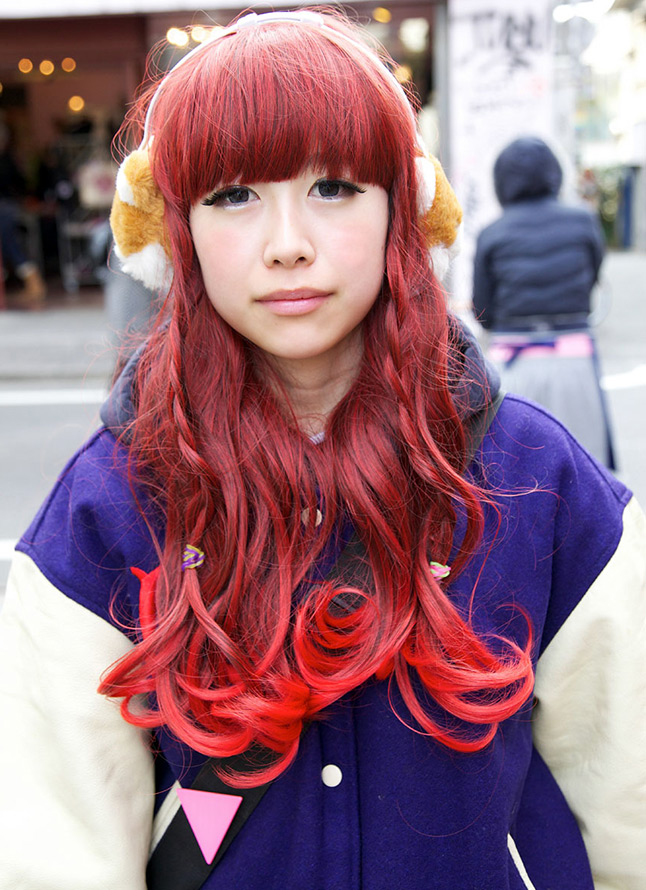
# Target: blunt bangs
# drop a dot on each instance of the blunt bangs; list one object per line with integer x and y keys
{"x": 268, "y": 102}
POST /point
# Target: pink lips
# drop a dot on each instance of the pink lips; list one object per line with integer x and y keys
{"x": 294, "y": 302}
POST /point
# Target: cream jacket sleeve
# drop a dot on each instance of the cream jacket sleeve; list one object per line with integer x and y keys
{"x": 590, "y": 721}
{"x": 77, "y": 785}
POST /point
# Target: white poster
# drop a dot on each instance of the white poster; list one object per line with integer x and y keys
{"x": 500, "y": 87}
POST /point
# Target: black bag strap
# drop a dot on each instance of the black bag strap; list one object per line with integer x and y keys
{"x": 177, "y": 863}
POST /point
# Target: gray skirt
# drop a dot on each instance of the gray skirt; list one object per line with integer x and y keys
{"x": 559, "y": 371}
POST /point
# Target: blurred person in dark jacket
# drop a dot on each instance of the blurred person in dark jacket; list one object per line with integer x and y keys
{"x": 534, "y": 272}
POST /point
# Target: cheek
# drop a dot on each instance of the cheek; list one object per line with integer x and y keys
{"x": 221, "y": 255}
{"x": 214, "y": 246}
{"x": 366, "y": 238}
{"x": 360, "y": 245}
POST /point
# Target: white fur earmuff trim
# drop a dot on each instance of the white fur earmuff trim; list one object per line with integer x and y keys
{"x": 138, "y": 225}
{"x": 442, "y": 256}
{"x": 438, "y": 209}
{"x": 149, "y": 265}
{"x": 426, "y": 184}
{"x": 124, "y": 189}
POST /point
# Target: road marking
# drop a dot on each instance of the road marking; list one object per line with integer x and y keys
{"x": 627, "y": 380}
{"x": 28, "y": 397}
{"x": 7, "y": 546}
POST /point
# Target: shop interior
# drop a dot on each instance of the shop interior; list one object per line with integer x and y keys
{"x": 65, "y": 87}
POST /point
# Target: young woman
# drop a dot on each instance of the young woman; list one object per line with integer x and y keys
{"x": 316, "y": 606}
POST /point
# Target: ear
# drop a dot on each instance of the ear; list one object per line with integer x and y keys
{"x": 440, "y": 214}
{"x": 137, "y": 220}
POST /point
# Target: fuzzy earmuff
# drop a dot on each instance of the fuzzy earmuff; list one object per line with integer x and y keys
{"x": 137, "y": 221}
{"x": 440, "y": 214}
{"x": 141, "y": 243}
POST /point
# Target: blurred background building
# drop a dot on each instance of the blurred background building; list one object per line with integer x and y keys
{"x": 485, "y": 70}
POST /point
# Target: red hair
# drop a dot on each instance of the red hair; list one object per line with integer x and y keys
{"x": 230, "y": 658}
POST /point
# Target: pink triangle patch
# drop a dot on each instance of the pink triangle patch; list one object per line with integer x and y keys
{"x": 209, "y": 814}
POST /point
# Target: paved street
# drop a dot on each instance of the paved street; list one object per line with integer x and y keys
{"x": 622, "y": 344}
{"x": 55, "y": 366}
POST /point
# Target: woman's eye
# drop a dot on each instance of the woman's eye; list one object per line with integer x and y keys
{"x": 232, "y": 196}
{"x": 335, "y": 188}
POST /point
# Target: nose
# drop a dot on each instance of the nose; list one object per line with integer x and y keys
{"x": 288, "y": 241}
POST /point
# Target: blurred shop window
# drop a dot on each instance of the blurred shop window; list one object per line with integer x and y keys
{"x": 616, "y": 198}
{"x": 92, "y": 173}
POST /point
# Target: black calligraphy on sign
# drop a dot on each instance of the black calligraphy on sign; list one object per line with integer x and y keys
{"x": 500, "y": 74}
{"x": 511, "y": 36}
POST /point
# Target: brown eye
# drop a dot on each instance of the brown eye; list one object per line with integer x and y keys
{"x": 329, "y": 188}
{"x": 335, "y": 188}
{"x": 231, "y": 196}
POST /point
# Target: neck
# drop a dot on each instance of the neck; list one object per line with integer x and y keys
{"x": 315, "y": 386}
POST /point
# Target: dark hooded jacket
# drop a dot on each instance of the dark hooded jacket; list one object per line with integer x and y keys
{"x": 536, "y": 265}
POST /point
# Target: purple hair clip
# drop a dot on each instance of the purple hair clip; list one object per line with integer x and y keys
{"x": 439, "y": 570}
{"x": 192, "y": 557}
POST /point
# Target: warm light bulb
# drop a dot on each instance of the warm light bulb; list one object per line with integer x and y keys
{"x": 76, "y": 104}
{"x": 177, "y": 37}
{"x": 199, "y": 34}
{"x": 403, "y": 73}
{"x": 381, "y": 14}
{"x": 46, "y": 67}
{"x": 25, "y": 66}
{"x": 68, "y": 64}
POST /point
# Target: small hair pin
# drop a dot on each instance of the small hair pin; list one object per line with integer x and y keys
{"x": 192, "y": 557}
{"x": 439, "y": 570}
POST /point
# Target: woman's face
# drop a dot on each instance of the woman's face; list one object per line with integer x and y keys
{"x": 294, "y": 266}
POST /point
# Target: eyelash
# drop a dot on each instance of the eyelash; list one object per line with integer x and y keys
{"x": 217, "y": 197}
{"x": 351, "y": 186}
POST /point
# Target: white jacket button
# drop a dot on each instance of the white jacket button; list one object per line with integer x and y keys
{"x": 331, "y": 775}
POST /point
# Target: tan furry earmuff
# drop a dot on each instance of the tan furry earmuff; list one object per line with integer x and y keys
{"x": 440, "y": 214}
{"x": 137, "y": 221}
{"x": 137, "y": 216}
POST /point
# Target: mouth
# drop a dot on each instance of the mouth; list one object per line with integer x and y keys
{"x": 294, "y": 302}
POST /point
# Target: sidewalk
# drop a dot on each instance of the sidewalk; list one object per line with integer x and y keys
{"x": 621, "y": 337}
{"x": 66, "y": 340}
{"x": 70, "y": 339}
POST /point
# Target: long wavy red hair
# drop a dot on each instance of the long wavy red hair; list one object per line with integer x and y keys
{"x": 230, "y": 657}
